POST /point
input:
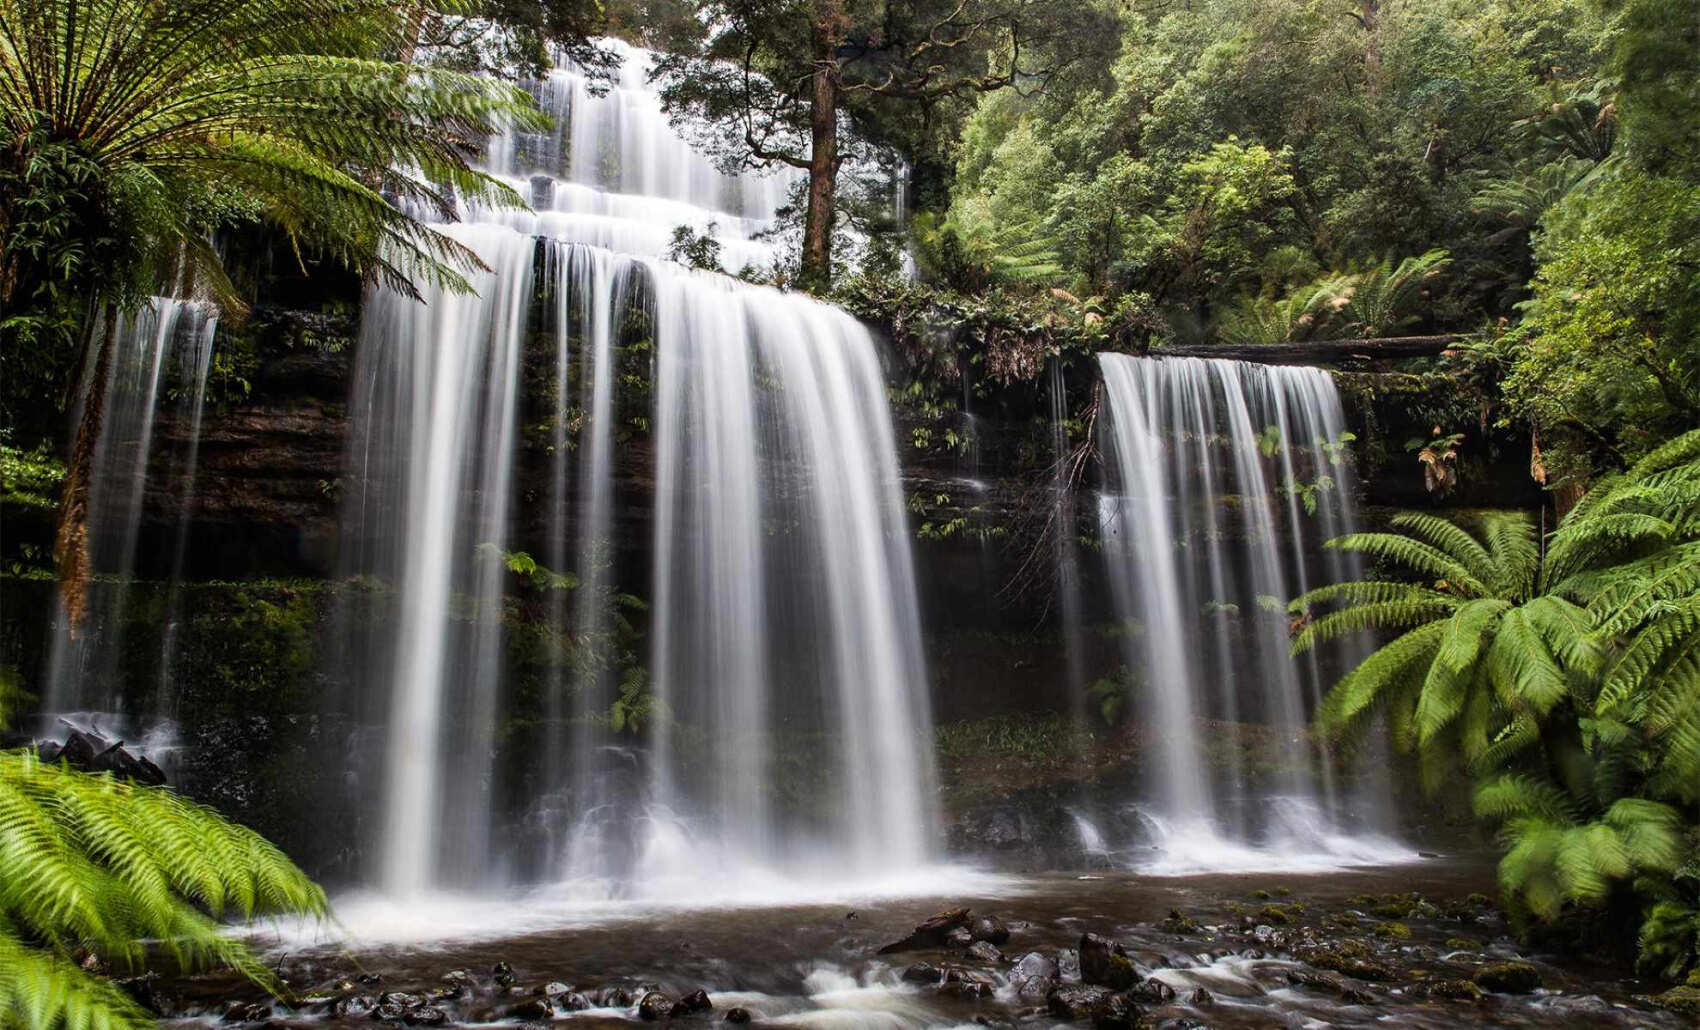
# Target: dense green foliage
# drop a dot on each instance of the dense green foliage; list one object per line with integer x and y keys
{"x": 91, "y": 868}
{"x": 1563, "y": 676}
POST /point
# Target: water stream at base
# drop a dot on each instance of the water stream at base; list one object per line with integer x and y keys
{"x": 1224, "y": 479}
{"x": 783, "y": 642}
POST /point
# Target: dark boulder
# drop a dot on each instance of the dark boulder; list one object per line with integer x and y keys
{"x": 401, "y": 999}
{"x": 1106, "y": 963}
{"x": 931, "y": 933}
{"x": 923, "y": 973}
{"x": 614, "y": 998}
{"x": 984, "y": 951}
{"x": 1201, "y": 998}
{"x": 1508, "y": 977}
{"x": 503, "y": 974}
{"x": 530, "y": 1010}
{"x": 1117, "y": 1012}
{"x": 990, "y": 929}
{"x": 692, "y": 1003}
{"x": 1074, "y": 1001}
{"x": 389, "y": 1013}
{"x": 1152, "y": 991}
{"x": 655, "y": 1006}
{"x": 738, "y": 1016}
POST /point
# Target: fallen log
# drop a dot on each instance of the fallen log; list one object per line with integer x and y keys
{"x": 1308, "y": 352}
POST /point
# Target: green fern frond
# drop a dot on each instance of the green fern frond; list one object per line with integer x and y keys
{"x": 1449, "y": 537}
{"x": 1421, "y": 558}
{"x": 1405, "y": 656}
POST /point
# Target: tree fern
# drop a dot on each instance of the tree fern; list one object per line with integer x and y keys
{"x": 1567, "y": 683}
{"x": 90, "y": 865}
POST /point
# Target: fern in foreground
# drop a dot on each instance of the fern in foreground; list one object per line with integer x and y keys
{"x": 1564, "y": 679}
{"x": 91, "y": 867}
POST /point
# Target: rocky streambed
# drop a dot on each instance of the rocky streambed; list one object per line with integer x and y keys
{"x": 1413, "y": 947}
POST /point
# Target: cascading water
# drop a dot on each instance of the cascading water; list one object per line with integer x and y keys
{"x": 1224, "y": 479}
{"x": 159, "y": 364}
{"x": 783, "y": 644}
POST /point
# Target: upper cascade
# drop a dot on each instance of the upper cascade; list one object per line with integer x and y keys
{"x": 614, "y": 172}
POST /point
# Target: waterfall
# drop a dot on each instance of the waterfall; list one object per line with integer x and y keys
{"x": 161, "y": 354}
{"x": 1224, "y": 479}
{"x": 780, "y": 691}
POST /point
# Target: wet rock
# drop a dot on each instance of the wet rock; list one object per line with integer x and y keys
{"x": 614, "y": 998}
{"x": 1453, "y": 990}
{"x": 1332, "y": 983}
{"x": 1152, "y": 991}
{"x": 370, "y": 979}
{"x": 654, "y": 1006}
{"x": 1033, "y": 977}
{"x": 959, "y": 938}
{"x": 529, "y": 1010}
{"x": 401, "y": 1000}
{"x": 1106, "y": 963}
{"x": 353, "y": 1005}
{"x": 1177, "y": 923}
{"x": 426, "y": 1015}
{"x": 984, "y": 951}
{"x": 990, "y": 929}
{"x": 1068, "y": 965}
{"x": 693, "y": 1003}
{"x": 1074, "y": 1001}
{"x": 244, "y": 1012}
{"x": 389, "y": 1013}
{"x": 739, "y": 1016}
{"x": 1117, "y": 1012}
{"x": 147, "y": 992}
{"x": 923, "y": 973}
{"x": 459, "y": 977}
{"x": 1463, "y": 944}
{"x": 551, "y": 990}
{"x": 1508, "y": 977}
{"x": 503, "y": 974}
{"x": 931, "y": 933}
{"x": 447, "y": 992}
{"x": 1202, "y": 998}
{"x": 958, "y": 975}
{"x": 967, "y": 990}
{"x": 572, "y": 1001}
{"x": 1685, "y": 999}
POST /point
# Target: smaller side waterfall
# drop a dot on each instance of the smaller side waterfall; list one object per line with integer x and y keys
{"x": 1224, "y": 479}
{"x": 158, "y": 370}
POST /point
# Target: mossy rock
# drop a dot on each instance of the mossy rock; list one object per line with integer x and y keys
{"x": 1463, "y": 944}
{"x": 1279, "y": 915}
{"x": 1508, "y": 977}
{"x": 1685, "y": 1000}
{"x": 1452, "y": 990}
{"x": 1262, "y": 895}
{"x": 1392, "y": 931}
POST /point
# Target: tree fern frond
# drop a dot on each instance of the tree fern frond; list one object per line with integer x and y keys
{"x": 1421, "y": 558}
{"x": 1449, "y": 537}
{"x": 1361, "y": 687}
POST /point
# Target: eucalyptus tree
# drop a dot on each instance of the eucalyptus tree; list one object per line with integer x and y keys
{"x": 779, "y": 82}
{"x": 130, "y": 130}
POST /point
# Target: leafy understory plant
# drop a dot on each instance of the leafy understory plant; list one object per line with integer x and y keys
{"x": 92, "y": 867}
{"x": 1564, "y": 680}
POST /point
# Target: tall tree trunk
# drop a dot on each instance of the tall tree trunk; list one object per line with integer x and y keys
{"x": 823, "y": 151}
{"x": 71, "y": 543}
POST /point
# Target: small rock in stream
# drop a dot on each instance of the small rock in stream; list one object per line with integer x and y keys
{"x": 1106, "y": 963}
{"x": 1508, "y": 977}
{"x": 426, "y": 1015}
{"x": 959, "y": 938}
{"x": 738, "y": 1016}
{"x": 990, "y": 929}
{"x": 984, "y": 951}
{"x": 529, "y": 1010}
{"x": 614, "y": 998}
{"x": 931, "y": 933}
{"x": 1202, "y": 998}
{"x": 655, "y": 1006}
{"x": 692, "y": 1003}
{"x": 923, "y": 973}
{"x": 503, "y": 974}
{"x": 1117, "y": 1012}
{"x": 1074, "y": 1001}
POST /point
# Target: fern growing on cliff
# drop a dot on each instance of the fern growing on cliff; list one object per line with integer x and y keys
{"x": 91, "y": 867}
